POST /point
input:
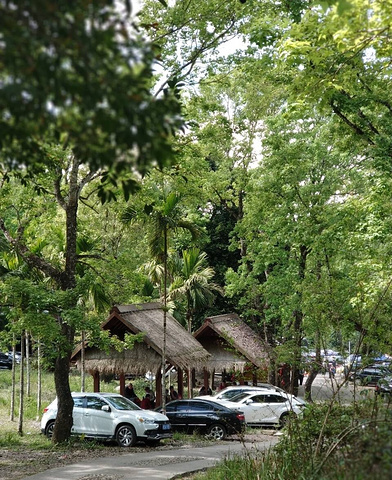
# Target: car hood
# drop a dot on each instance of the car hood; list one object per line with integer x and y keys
{"x": 151, "y": 415}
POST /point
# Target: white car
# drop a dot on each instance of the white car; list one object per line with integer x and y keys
{"x": 110, "y": 416}
{"x": 266, "y": 407}
{"x": 229, "y": 392}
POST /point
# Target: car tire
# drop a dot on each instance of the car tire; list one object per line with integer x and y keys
{"x": 49, "y": 429}
{"x": 126, "y": 436}
{"x": 216, "y": 431}
{"x": 285, "y": 419}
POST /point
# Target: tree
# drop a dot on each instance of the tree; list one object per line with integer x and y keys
{"x": 82, "y": 74}
{"x": 164, "y": 214}
{"x": 65, "y": 183}
{"x": 192, "y": 285}
{"x": 77, "y": 77}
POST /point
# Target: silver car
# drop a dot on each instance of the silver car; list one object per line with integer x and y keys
{"x": 266, "y": 407}
{"x": 110, "y": 416}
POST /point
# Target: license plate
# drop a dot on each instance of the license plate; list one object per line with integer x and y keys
{"x": 165, "y": 426}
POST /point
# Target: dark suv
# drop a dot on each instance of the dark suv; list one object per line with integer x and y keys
{"x": 5, "y": 361}
{"x": 214, "y": 419}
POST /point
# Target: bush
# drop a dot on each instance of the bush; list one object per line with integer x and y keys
{"x": 330, "y": 442}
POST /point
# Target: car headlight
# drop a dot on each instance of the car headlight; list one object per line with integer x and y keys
{"x": 147, "y": 420}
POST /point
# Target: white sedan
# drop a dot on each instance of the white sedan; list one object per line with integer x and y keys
{"x": 266, "y": 407}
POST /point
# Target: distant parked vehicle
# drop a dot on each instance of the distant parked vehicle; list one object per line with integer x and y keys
{"x": 5, "y": 361}
{"x": 230, "y": 392}
{"x": 216, "y": 420}
{"x": 266, "y": 407}
{"x": 371, "y": 375}
{"x": 384, "y": 386}
{"x": 18, "y": 356}
{"x": 109, "y": 416}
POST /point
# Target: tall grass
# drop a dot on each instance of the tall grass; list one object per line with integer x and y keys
{"x": 331, "y": 442}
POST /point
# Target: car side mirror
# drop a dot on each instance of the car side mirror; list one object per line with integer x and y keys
{"x": 249, "y": 401}
{"x": 105, "y": 408}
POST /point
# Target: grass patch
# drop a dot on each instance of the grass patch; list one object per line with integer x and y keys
{"x": 331, "y": 442}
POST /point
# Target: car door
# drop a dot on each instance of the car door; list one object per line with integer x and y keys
{"x": 78, "y": 425}
{"x": 277, "y": 405}
{"x": 255, "y": 408}
{"x": 177, "y": 413}
{"x": 97, "y": 422}
{"x": 200, "y": 414}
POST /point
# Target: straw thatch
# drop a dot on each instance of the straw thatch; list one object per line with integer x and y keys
{"x": 182, "y": 349}
{"x": 231, "y": 343}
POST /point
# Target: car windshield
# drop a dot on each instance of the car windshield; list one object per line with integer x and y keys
{"x": 122, "y": 403}
{"x": 239, "y": 396}
{"x": 227, "y": 395}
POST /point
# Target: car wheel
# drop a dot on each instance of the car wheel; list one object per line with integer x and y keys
{"x": 126, "y": 436}
{"x": 285, "y": 418}
{"x": 49, "y": 429}
{"x": 216, "y": 431}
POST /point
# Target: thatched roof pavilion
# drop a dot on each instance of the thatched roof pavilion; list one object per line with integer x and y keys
{"x": 231, "y": 343}
{"x": 183, "y": 351}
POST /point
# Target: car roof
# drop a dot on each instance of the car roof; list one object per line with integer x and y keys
{"x": 197, "y": 400}
{"x": 89, "y": 394}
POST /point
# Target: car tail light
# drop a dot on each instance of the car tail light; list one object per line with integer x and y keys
{"x": 45, "y": 410}
{"x": 241, "y": 417}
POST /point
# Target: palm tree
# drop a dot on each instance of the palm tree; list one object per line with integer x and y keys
{"x": 192, "y": 285}
{"x": 164, "y": 217}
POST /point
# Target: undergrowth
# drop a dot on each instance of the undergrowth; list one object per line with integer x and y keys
{"x": 330, "y": 442}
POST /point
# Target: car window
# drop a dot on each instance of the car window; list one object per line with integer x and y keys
{"x": 121, "y": 403}
{"x": 275, "y": 399}
{"x": 230, "y": 394}
{"x": 259, "y": 398}
{"x": 182, "y": 407}
{"x": 199, "y": 407}
{"x": 239, "y": 396}
{"x": 79, "y": 402}
{"x": 95, "y": 403}
{"x": 219, "y": 408}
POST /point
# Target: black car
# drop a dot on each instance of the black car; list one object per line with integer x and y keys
{"x": 384, "y": 386}
{"x": 371, "y": 375}
{"x": 5, "y": 361}
{"x": 210, "y": 417}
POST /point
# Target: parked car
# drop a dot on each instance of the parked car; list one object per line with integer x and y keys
{"x": 18, "y": 356}
{"x": 216, "y": 420}
{"x": 229, "y": 392}
{"x": 266, "y": 407}
{"x": 384, "y": 386}
{"x": 371, "y": 375}
{"x": 110, "y": 416}
{"x": 5, "y": 361}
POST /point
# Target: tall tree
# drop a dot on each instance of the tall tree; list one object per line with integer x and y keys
{"x": 164, "y": 215}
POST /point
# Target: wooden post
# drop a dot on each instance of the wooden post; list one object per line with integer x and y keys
{"x": 180, "y": 381}
{"x": 158, "y": 388}
{"x": 96, "y": 381}
{"x": 122, "y": 383}
{"x": 205, "y": 378}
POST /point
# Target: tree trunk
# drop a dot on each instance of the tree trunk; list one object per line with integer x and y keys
{"x": 39, "y": 380}
{"x": 314, "y": 370}
{"x": 64, "y": 420}
{"x": 21, "y": 385}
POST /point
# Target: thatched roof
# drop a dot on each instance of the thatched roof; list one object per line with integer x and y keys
{"x": 182, "y": 349}
{"x": 231, "y": 343}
